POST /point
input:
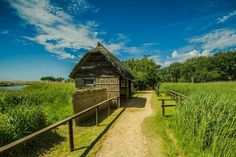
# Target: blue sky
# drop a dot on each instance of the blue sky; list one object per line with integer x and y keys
{"x": 47, "y": 37}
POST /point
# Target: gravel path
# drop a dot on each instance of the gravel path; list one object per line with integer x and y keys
{"x": 126, "y": 139}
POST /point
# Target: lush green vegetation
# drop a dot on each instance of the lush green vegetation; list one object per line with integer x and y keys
{"x": 27, "y": 110}
{"x": 145, "y": 71}
{"x": 156, "y": 130}
{"x": 55, "y": 79}
{"x": 40, "y": 104}
{"x": 219, "y": 67}
{"x": 205, "y": 124}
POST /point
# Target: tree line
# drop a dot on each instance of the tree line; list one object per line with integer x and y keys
{"x": 55, "y": 79}
{"x": 219, "y": 67}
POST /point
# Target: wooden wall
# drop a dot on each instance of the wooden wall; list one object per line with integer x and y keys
{"x": 105, "y": 75}
{"x": 111, "y": 83}
{"x": 83, "y": 99}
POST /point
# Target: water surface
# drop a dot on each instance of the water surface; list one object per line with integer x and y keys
{"x": 19, "y": 87}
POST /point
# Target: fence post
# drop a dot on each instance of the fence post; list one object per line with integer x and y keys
{"x": 118, "y": 101}
{"x": 163, "y": 107}
{"x": 71, "y": 138}
{"x": 97, "y": 116}
{"x": 108, "y": 108}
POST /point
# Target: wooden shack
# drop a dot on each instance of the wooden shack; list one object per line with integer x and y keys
{"x": 98, "y": 68}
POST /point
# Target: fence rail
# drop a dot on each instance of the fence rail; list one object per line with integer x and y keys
{"x": 174, "y": 96}
{"x": 55, "y": 125}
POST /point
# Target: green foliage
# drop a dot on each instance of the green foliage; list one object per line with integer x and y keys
{"x": 27, "y": 110}
{"x": 19, "y": 122}
{"x": 145, "y": 71}
{"x": 52, "y": 79}
{"x": 205, "y": 124}
{"x": 219, "y": 67}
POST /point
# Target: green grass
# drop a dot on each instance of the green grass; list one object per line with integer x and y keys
{"x": 205, "y": 124}
{"x": 156, "y": 128}
{"x": 32, "y": 108}
{"x": 41, "y": 104}
{"x": 83, "y": 138}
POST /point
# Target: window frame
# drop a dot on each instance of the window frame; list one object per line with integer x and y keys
{"x": 89, "y": 84}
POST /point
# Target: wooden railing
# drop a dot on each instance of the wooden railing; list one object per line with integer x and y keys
{"x": 55, "y": 125}
{"x": 174, "y": 96}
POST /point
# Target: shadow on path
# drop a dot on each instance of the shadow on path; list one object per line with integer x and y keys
{"x": 100, "y": 135}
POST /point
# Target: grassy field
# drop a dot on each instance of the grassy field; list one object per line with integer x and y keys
{"x": 36, "y": 106}
{"x": 204, "y": 124}
{"x": 41, "y": 104}
{"x": 156, "y": 128}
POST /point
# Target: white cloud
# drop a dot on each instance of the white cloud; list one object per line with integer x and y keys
{"x": 150, "y": 44}
{"x": 178, "y": 56}
{"x": 56, "y": 30}
{"x": 226, "y": 17}
{"x": 217, "y": 39}
{"x": 4, "y": 32}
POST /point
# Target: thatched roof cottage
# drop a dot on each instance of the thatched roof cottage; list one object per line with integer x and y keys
{"x": 98, "y": 68}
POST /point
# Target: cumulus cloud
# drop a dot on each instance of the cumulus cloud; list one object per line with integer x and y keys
{"x": 226, "y": 17}
{"x": 178, "y": 56}
{"x": 217, "y": 39}
{"x": 4, "y": 32}
{"x": 208, "y": 43}
{"x": 56, "y": 30}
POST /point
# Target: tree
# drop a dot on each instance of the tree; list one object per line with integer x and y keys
{"x": 219, "y": 67}
{"x": 145, "y": 71}
{"x": 52, "y": 79}
{"x": 175, "y": 70}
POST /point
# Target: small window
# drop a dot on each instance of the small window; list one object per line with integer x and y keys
{"x": 89, "y": 81}
{"x": 122, "y": 83}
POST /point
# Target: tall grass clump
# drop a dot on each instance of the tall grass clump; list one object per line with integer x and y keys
{"x": 205, "y": 124}
{"x": 25, "y": 111}
{"x": 19, "y": 122}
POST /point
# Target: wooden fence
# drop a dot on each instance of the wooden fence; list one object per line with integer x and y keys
{"x": 175, "y": 96}
{"x": 55, "y": 125}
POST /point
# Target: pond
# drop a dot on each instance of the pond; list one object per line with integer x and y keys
{"x": 19, "y": 87}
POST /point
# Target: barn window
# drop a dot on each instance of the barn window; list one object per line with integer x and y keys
{"x": 89, "y": 81}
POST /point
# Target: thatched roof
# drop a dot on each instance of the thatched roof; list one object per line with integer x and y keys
{"x": 116, "y": 63}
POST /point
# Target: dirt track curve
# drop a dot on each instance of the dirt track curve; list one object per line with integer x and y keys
{"x": 126, "y": 139}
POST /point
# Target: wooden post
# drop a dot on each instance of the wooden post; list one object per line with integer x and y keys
{"x": 97, "y": 123}
{"x": 129, "y": 84}
{"x": 163, "y": 107}
{"x": 118, "y": 101}
{"x": 125, "y": 90}
{"x": 108, "y": 108}
{"x": 71, "y": 138}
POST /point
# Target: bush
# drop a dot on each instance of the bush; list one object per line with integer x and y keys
{"x": 28, "y": 110}
{"x": 19, "y": 122}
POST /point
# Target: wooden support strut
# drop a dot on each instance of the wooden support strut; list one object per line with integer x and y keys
{"x": 71, "y": 138}
{"x": 97, "y": 123}
{"x": 163, "y": 107}
{"x": 108, "y": 108}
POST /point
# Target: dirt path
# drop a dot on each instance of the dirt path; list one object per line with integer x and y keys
{"x": 126, "y": 139}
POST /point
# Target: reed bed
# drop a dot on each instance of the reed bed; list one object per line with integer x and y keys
{"x": 205, "y": 124}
